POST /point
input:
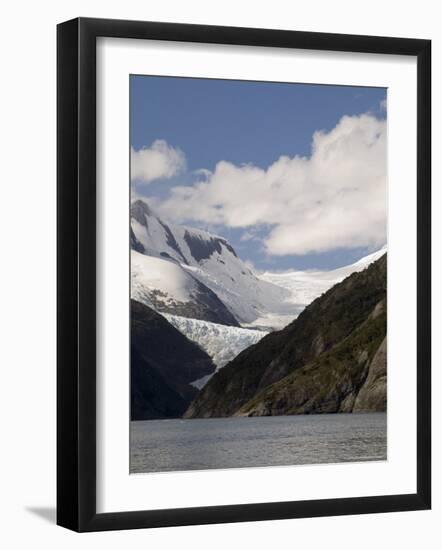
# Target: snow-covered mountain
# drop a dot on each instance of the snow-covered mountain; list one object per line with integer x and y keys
{"x": 166, "y": 287}
{"x": 222, "y": 343}
{"x": 207, "y": 258}
{"x": 191, "y": 273}
{"x": 306, "y": 286}
{"x": 186, "y": 245}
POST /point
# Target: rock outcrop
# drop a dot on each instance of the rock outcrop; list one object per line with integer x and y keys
{"x": 373, "y": 394}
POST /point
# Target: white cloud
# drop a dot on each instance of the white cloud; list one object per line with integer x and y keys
{"x": 159, "y": 161}
{"x": 383, "y": 104}
{"x": 203, "y": 172}
{"x": 335, "y": 198}
{"x": 249, "y": 236}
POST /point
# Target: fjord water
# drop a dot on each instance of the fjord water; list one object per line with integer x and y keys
{"x": 218, "y": 443}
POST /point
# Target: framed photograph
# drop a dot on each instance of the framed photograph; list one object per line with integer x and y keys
{"x": 243, "y": 274}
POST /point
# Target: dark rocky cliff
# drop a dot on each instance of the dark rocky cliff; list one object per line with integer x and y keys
{"x": 163, "y": 363}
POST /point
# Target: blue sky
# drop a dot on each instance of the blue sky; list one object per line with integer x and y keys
{"x": 244, "y": 123}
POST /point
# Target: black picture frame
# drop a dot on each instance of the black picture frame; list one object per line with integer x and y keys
{"x": 76, "y": 274}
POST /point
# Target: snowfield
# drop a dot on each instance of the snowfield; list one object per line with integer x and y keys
{"x": 247, "y": 296}
{"x": 221, "y": 342}
{"x": 306, "y": 286}
{"x": 153, "y": 275}
{"x": 167, "y": 288}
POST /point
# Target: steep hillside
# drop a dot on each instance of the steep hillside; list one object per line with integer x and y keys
{"x": 334, "y": 381}
{"x": 308, "y": 341}
{"x": 163, "y": 364}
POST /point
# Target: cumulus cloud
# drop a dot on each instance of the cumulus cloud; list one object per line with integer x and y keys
{"x": 159, "y": 161}
{"x": 336, "y": 198}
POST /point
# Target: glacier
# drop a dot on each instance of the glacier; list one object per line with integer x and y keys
{"x": 222, "y": 343}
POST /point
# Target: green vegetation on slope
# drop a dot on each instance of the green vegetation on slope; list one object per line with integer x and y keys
{"x": 330, "y": 383}
{"x": 325, "y": 324}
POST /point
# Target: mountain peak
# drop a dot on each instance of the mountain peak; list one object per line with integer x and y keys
{"x": 139, "y": 210}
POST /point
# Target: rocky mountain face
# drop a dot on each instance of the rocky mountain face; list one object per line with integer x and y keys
{"x": 163, "y": 365}
{"x": 332, "y": 358}
{"x": 373, "y": 394}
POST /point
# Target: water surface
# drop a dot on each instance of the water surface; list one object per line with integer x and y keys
{"x": 201, "y": 444}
